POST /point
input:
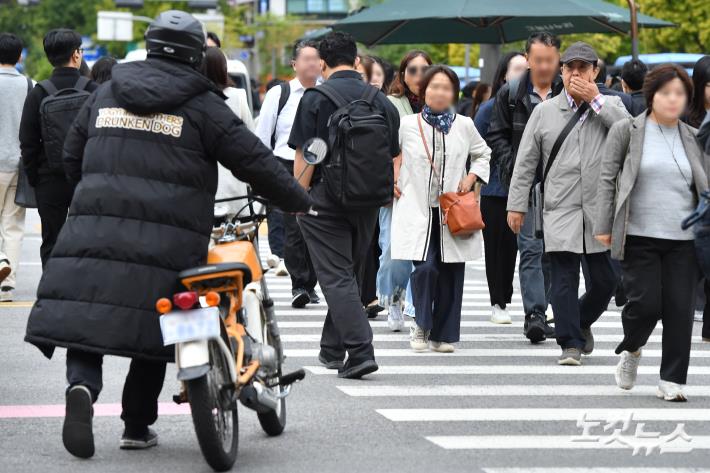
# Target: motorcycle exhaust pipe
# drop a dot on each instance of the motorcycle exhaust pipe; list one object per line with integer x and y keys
{"x": 259, "y": 398}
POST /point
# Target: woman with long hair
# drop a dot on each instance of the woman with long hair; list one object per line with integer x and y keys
{"x": 501, "y": 244}
{"x": 700, "y": 103}
{"x": 393, "y": 275}
{"x": 214, "y": 67}
{"x": 101, "y": 70}
{"x": 480, "y": 95}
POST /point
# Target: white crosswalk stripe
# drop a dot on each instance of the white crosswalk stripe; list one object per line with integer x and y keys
{"x": 517, "y": 390}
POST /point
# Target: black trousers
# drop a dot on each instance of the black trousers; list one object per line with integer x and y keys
{"x": 660, "y": 280}
{"x": 706, "y": 310}
{"x": 140, "y": 391}
{"x": 339, "y": 246}
{"x": 501, "y": 247}
{"x": 54, "y": 196}
{"x": 573, "y": 313}
{"x": 296, "y": 256}
{"x": 437, "y": 290}
{"x": 368, "y": 288}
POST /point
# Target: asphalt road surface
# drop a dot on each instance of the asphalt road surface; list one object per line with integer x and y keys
{"x": 498, "y": 404}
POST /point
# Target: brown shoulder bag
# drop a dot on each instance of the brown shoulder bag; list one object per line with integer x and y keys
{"x": 461, "y": 211}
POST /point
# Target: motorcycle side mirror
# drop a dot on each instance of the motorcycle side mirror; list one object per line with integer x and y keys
{"x": 220, "y": 211}
{"x": 315, "y": 151}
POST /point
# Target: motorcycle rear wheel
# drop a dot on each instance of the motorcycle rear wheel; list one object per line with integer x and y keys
{"x": 216, "y": 426}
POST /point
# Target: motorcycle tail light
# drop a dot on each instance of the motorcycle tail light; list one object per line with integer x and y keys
{"x": 163, "y": 306}
{"x": 212, "y": 298}
{"x": 185, "y": 300}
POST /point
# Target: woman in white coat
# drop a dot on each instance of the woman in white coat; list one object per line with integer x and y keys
{"x": 214, "y": 66}
{"x": 454, "y": 159}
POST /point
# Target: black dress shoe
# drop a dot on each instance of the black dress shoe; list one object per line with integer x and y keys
{"x": 300, "y": 298}
{"x": 357, "y": 369}
{"x": 313, "y": 296}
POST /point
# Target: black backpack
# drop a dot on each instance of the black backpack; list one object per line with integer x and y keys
{"x": 358, "y": 173}
{"x": 57, "y": 113}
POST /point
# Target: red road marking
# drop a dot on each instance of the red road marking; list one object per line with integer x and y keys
{"x": 100, "y": 410}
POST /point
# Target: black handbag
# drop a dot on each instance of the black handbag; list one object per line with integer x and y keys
{"x": 538, "y": 196}
{"x": 25, "y": 193}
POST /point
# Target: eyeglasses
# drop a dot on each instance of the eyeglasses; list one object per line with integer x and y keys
{"x": 81, "y": 50}
{"x": 414, "y": 70}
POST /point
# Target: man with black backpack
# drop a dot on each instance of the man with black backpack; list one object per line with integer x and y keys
{"x": 274, "y": 127}
{"x": 361, "y": 128}
{"x": 48, "y": 113}
{"x": 513, "y": 107}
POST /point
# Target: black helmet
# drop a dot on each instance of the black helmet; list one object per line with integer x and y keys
{"x": 176, "y": 35}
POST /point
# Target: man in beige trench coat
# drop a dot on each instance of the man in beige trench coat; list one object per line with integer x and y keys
{"x": 569, "y": 199}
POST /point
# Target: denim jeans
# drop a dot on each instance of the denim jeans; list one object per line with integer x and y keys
{"x": 533, "y": 270}
{"x": 393, "y": 275}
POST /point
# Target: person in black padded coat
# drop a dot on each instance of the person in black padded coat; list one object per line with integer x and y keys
{"x": 143, "y": 154}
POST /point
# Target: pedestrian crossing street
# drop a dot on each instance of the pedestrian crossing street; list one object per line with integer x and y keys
{"x": 499, "y": 393}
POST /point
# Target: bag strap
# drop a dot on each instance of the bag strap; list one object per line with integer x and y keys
{"x": 48, "y": 87}
{"x": 82, "y": 83}
{"x": 426, "y": 146}
{"x": 560, "y": 140}
{"x": 330, "y": 92}
{"x": 30, "y": 85}
{"x": 370, "y": 94}
{"x": 283, "y": 98}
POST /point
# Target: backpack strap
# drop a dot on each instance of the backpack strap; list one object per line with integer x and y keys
{"x": 48, "y": 87}
{"x": 30, "y": 85}
{"x": 370, "y": 94}
{"x": 330, "y": 92}
{"x": 514, "y": 95}
{"x": 82, "y": 83}
{"x": 285, "y": 94}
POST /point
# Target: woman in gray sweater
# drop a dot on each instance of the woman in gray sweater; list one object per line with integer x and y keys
{"x": 652, "y": 174}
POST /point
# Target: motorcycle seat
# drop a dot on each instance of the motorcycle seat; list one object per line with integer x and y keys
{"x": 217, "y": 268}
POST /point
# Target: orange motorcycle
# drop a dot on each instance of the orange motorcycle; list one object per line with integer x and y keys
{"x": 227, "y": 343}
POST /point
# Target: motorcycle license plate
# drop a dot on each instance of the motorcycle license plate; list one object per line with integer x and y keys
{"x": 189, "y": 325}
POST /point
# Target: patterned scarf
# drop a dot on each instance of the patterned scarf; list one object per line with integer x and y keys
{"x": 441, "y": 121}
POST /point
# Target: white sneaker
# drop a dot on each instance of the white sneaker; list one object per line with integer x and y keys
{"x": 441, "y": 347}
{"x": 6, "y": 296}
{"x": 627, "y": 369}
{"x": 272, "y": 261}
{"x": 671, "y": 391}
{"x": 281, "y": 269}
{"x": 500, "y": 316}
{"x": 418, "y": 338}
{"x": 395, "y": 319}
